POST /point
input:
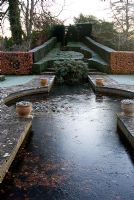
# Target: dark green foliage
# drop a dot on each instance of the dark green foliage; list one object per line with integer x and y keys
{"x": 59, "y": 32}
{"x": 14, "y": 19}
{"x": 72, "y": 34}
{"x": 93, "y": 59}
{"x": 76, "y": 32}
{"x": 98, "y": 64}
{"x": 102, "y": 31}
{"x": 78, "y": 47}
{"x": 106, "y": 34}
{"x": 2, "y": 77}
{"x": 70, "y": 71}
{"x": 8, "y": 43}
{"x": 85, "y": 19}
{"x": 84, "y": 29}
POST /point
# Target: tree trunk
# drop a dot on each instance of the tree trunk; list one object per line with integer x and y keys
{"x": 14, "y": 18}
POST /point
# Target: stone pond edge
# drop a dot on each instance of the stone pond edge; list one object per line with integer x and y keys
{"x": 124, "y": 123}
{"x": 18, "y": 92}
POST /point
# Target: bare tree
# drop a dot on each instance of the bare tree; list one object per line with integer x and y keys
{"x": 123, "y": 16}
{"x": 36, "y": 11}
{"x": 13, "y": 13}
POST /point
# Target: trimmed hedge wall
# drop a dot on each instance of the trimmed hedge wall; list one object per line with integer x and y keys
{"x": 84, "y": 29}
{"x": 122, "y": 62}
{"x": 59, "y": 33}
{"x": 41, "y": 51}
{"x": 86, "y": 53}
{"x": 102, "y": 50}
{"x": 16, "y": 62}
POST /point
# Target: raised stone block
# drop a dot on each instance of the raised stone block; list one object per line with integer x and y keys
{"x": 2, "y": 77}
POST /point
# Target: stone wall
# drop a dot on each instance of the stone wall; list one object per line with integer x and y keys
{"x": 41, "y": 51}
{"x": 100, "y": 49}
{"x": 122, "y": 62}
{"x": 16, "y": 62}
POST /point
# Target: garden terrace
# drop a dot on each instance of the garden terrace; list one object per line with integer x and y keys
{"x": 119, "y": 62}
{"x": 93, "y": 59}
{"x": 102, "y": 50}
{"x": 55, "y": 55}
{"x": 37, "y": 60}
{"x": 14, "y": 129}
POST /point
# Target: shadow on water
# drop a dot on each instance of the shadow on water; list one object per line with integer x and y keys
{"x": 129, "y": 149}
{"x": 74, "y": 152}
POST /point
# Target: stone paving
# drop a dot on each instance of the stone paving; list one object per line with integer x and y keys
{"x": 14, "y": 129}
{"x": 21, "y": 90}
{"x": 111, "y": 87}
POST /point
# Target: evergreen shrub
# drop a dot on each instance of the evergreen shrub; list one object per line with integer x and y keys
{"x": 70, "y": 71}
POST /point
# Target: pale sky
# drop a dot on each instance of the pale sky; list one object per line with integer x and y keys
{"x": 73, "y": 8}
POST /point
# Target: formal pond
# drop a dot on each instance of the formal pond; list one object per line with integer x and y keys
{"x": 74, "y": 151}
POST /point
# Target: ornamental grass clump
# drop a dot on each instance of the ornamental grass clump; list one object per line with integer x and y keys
{"x": 70, "y": 71}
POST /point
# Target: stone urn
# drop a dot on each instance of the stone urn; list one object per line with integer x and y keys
{"x": 24, "y": 108}
{"x": 127, "y": 106}
{"x": 43, "y": 81}
{"x": 99, "y": 82}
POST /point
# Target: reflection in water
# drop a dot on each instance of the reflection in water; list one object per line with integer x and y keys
{"x": 99, "y": 97}
{"x": 74, "y": 153}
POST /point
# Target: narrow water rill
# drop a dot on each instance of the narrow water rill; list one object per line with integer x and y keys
{"x": 74, "y": 151}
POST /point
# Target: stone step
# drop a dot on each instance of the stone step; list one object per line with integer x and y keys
{"x": 97, "y": 73}
{"x": 47, "y": 73}
{"x": 50, "y": 69}
{"x": 92, "y": 70}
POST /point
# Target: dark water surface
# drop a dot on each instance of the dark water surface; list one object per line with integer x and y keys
{"x": 74, "y": 152}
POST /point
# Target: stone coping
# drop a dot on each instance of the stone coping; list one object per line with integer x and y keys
{"x": 8, "y": 94}
{"x": 111, "y": 87}
{"x": 13, "y": 129}
{"x": 126, "y": 125}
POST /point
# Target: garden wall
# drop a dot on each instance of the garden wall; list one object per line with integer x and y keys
{"x": 122, "y": 62}
{"x": 102, "y": 50}
{"x": 16, "y": 62}
{"x": 119, "y": 62}
{"x": 41, "y": 51}
{"x": 22, "y": 62}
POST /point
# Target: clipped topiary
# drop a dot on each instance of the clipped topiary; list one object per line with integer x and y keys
{"x": 70, "y": 71}
{"x": 59, "y": 32}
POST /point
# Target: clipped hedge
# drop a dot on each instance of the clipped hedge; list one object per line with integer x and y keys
{"x": 41, "y": 51}
{"x": 59, "y": 32}
{"x": 84, "y": 29}
{"x": 99, "y": 65}
{"x": 85, "y": 52}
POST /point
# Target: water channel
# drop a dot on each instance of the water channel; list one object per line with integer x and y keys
{"x": 74, "y": 151}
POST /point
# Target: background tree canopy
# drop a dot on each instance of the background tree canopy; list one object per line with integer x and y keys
{"x": 31, "y": 23}
{"x": 103, "y": 32}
